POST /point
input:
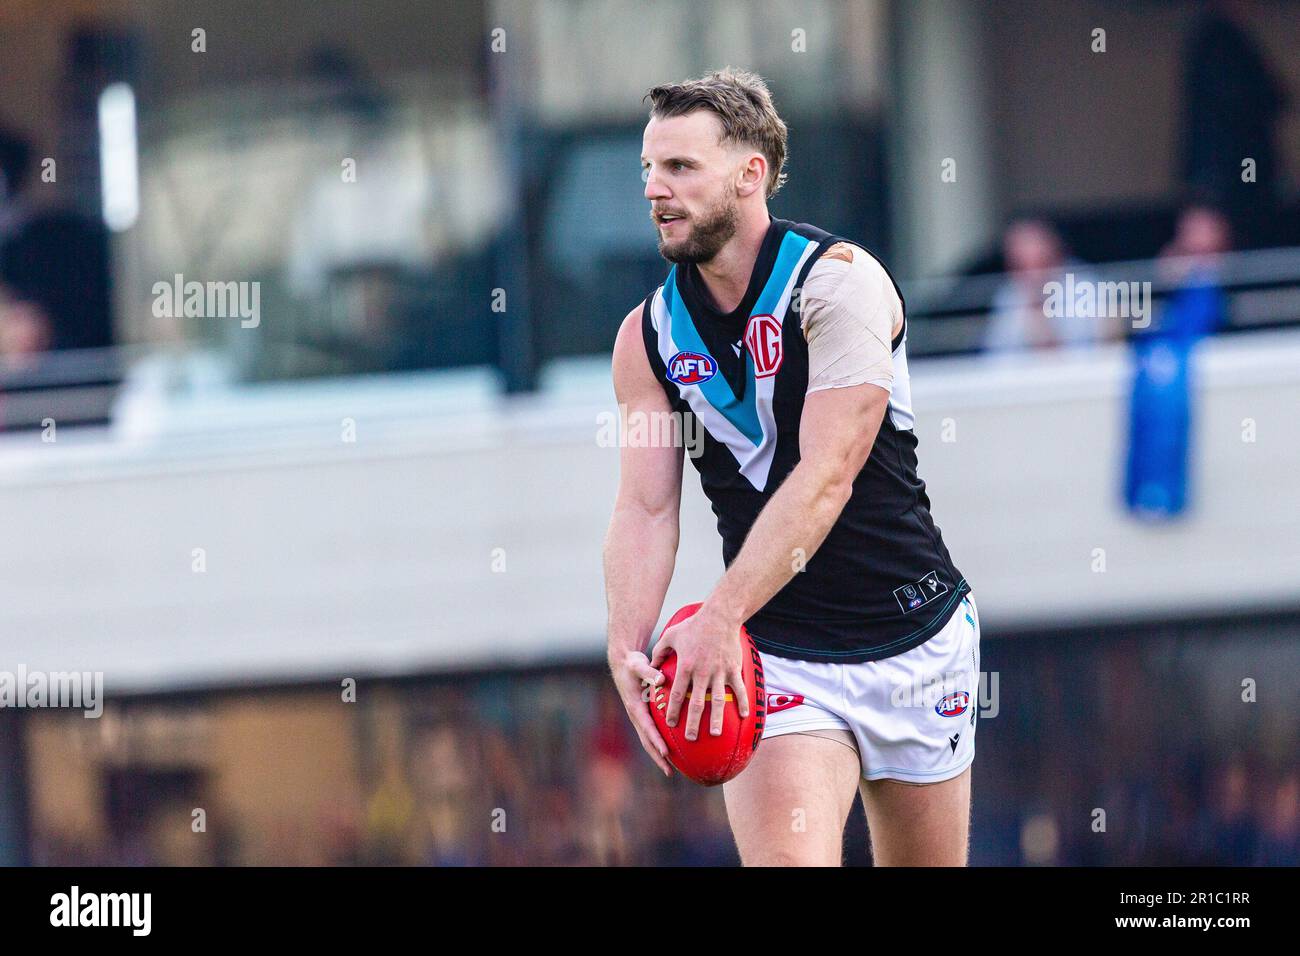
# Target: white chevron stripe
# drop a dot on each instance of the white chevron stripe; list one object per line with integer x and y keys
{"x": 759, "y": 467}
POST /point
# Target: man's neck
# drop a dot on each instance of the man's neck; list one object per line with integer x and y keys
{"x": 727, "y": 274}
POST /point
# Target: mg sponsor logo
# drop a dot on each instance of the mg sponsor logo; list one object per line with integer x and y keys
{"x": 763, "y": 340}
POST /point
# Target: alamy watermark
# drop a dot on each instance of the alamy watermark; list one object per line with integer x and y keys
{"x": 76, "y": 689}
{"x": 950, "y": 693}
{"x": 650, "y": 430}
{"x": 131, "y": 911}
{"x": 1086, "y": 298}
{"x": 208, "y": 300}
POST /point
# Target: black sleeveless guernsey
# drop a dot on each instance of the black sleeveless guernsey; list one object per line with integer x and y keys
{"x": 882, "y": 582}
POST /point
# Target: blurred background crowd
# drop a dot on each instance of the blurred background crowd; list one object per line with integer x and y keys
{"x": 543, "y": 768}
{"x": 438, "y": 205}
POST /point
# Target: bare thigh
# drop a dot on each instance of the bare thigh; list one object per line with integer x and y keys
{"x": 918, "y": 824}
{"x": 789, "y": 806}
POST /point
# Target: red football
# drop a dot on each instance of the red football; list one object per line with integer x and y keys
{"x": 708, "y": 759}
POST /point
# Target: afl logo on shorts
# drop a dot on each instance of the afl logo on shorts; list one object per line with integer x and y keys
{"x": 763, "y": 339}
{"x": 691, "y": 368}
{"x": 953, "y": 705}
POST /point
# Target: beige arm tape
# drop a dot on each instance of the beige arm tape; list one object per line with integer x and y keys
{"x": 850, "y": 311}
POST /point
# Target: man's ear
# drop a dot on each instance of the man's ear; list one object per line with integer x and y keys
{"x": 753, "y": 175}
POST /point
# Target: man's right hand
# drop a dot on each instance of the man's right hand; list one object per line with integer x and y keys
{"x": 633, "y": 675}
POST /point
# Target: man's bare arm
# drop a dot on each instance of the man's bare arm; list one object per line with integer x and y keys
{"x": 641, "y": 544}
{"x": 836, "y": 432}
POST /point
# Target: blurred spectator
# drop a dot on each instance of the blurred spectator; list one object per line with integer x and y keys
{"x": 1235, "y": 830}
{"x": 443, "y": 772}
{"x": 25, "y": 331}
{"x": 390, "y": 813}
{"x": 1025, "y": 314}
{"x": 24, "y": 326}
{"x": 1192, "y": 260}
{"x": 1156, "y": 484}
{"x": 1280, "y": 842}
{"x": 610, "y": 785}
{"x": 362, "y": 229}
{"x": 15, "y": 163}
{"x": 54, "y": 260}
{"x": 1232, "y": 103}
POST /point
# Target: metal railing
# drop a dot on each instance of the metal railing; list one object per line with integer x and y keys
{"x": 948, "y": 317}
{"x": 1262, "y": 289}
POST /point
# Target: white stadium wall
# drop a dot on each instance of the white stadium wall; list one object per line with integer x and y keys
{"x": 325, "y": 559}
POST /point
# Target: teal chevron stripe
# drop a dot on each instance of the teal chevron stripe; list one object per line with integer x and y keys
{"x": 787, "y": 259}
{"x": 742, "y": 414}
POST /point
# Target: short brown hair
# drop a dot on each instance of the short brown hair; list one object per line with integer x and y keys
{"x": 742, "y": 101}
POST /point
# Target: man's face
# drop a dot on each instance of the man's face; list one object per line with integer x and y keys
{"x": 690, "y": 184}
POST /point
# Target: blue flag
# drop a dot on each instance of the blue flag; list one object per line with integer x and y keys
{"x": 1161, "y": 402}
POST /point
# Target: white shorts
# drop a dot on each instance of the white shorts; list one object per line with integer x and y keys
{"x": 910, "y": 717}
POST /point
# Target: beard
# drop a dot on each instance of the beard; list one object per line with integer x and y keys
{"x": 709, "y": 233}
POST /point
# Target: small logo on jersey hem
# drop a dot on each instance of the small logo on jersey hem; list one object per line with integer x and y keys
{"x": 919, "y": 593}
{"x": 691, "y": 368}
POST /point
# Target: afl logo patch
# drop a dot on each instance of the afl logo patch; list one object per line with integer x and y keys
{"x": 763, "y": 339}
{"x": 914, "y": 595}
{"x": 953, "y": 705}
{"x": 691, "y": 368}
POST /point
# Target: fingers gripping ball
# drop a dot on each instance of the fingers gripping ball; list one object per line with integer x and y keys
{"x": 711, "y": 760}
